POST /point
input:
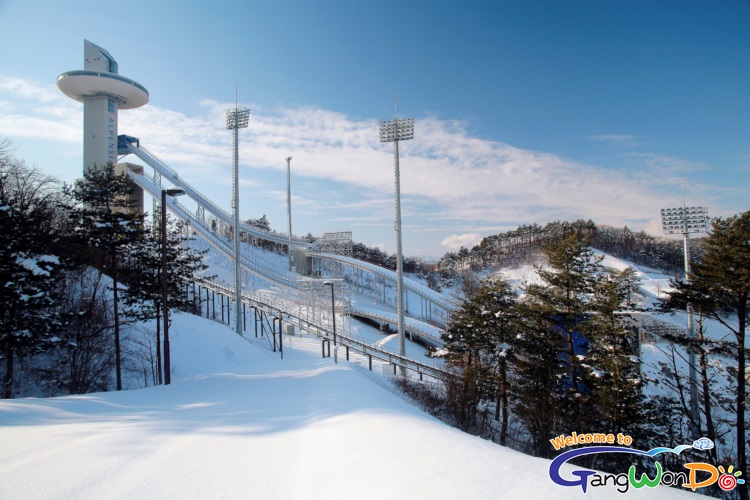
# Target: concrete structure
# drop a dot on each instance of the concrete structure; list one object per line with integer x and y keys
{"x": 135, "y": 199}
{"x": 102, "y": 91}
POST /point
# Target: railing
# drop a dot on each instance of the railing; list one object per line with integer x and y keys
{"x": 411, "y": 324}
{"x": 426, "y": 293}
{"x": 354, "y": 342}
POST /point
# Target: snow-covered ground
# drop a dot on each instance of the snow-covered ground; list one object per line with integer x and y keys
{"x": 239, "y": 422}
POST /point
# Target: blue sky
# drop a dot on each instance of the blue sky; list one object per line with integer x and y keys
{"x": 526, "y": 111}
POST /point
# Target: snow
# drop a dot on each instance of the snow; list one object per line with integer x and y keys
{"x": 32, "y": 263}
{"x": 239, "y": 422}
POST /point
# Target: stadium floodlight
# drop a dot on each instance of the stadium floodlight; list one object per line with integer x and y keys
{"x": 398, "y": 129}
{"x": 687, "y": 221}
{"x": 684, "y": 220}
{"x": 237, "y": 118}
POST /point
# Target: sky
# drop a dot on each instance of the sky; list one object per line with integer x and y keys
{"x": 526, "y": 111}
{"x": 238, "y": 422}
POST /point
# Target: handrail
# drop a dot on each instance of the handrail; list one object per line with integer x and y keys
{"x": 413, "y": 286}
{"x": 410, "y": 324}
{"x": 353, "y": 341}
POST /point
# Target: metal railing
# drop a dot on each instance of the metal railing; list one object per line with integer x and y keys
{"x": 354, "y": 342}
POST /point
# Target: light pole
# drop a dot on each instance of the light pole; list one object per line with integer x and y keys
{"x": 333, "y": 310}
{"x": 398, "y": 129}
{"x": 289, "y": 205}
{"x": 688, "y": 220}
{"x": 237, "y": 118}
{"x": 164, "y": 298}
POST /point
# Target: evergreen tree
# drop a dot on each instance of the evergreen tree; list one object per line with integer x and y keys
{"x": 479, "y": 341}
{"x": 144, "y": 279}
{"x": 29, "y": 270}
{"x": 616, "y": 385}
{"x": 720, "y": 287}
{"x": 107, "y": 222}
{"x": 538, "y": 375}
{"x": 556, "y": 394}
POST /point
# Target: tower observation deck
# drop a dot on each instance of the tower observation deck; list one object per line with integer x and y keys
{"x": 102, "y": 91}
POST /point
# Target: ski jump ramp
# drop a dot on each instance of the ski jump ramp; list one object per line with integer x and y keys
{"x": 433, "y": 302}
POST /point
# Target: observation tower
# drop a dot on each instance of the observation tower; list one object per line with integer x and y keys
{"x": 102, "y": 91}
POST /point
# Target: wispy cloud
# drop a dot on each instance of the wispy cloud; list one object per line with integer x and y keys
{"x": 449, "y": 179}
{"x": 617, "y": 141}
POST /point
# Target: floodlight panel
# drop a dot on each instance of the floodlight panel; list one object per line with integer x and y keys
{"x": 238, "y": 118}
{"x": 388, "y": 131}
{"x": 401, "y": 129}
{"x": 684, "y": 220}
{"x": 405, "y": 129}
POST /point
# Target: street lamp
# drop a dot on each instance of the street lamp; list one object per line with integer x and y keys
{"x": 237, "y": 118}
{"x": 398, "y": 129}
{"x": 164, "y": 301}
{"x": 333, "y": 310}
{"x": 688, "y": 220}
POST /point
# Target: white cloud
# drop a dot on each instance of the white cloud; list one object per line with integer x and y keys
{"x": 28, "y": 90}
{"x": 456, "y": 241}
{"x": 448, "y": 177}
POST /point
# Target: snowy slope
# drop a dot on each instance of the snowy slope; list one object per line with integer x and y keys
{"x": 238, "y": 422}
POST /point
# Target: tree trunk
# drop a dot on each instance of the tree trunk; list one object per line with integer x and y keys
{"x": 504, "y": 400}
{"x": 741, "y": 396}
{"x": 8, "y": 380}
{"x": 118, "y": 368}
{"x": 710, "y": 429}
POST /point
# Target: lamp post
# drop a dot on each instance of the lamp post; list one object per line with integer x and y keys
{"x": 289, "y": 205}
{"x": 398, "y": 129}
{"x": 164, "y": 298}
{"x": 688, "y": 220}
{"x": 237, "y": 118}
{"x": 333, "y": 310}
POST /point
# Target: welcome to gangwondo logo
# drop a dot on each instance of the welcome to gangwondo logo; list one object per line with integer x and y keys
{"x": 697, "y": 474}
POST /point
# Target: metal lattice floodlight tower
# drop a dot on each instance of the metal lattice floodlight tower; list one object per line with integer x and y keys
{"x": 687, "y": 220}
{"x": 237, "y": 118}
{"x": 398, "y": 129}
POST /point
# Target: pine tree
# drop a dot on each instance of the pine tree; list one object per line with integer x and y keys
{"x": 556, "y": 392}
{"x": 616, "y": 385}
{"x": 720, "y": 287}
{"x": 538, "y": 377}
{"x": 144, "y": 279}
{"x": 29, "y": 270}
{"x": 479, "y": 341}
{"x": 107, "y": 222}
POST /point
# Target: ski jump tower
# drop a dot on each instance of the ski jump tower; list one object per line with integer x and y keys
{"x": 102, "y": 91}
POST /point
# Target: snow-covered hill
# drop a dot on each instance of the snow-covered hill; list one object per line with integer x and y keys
{"x": 239, "y": 422}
